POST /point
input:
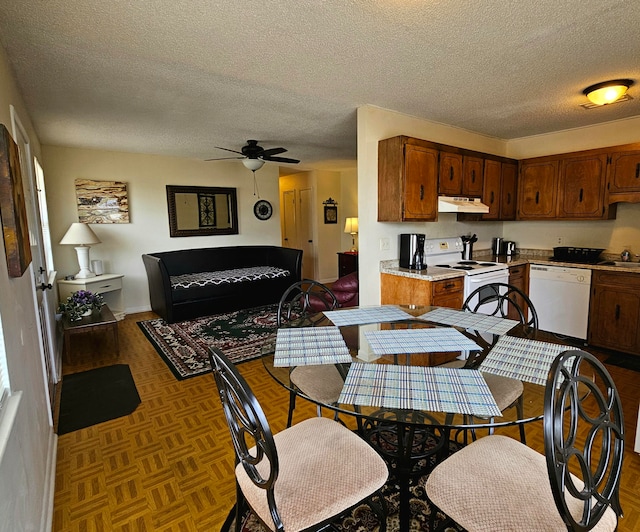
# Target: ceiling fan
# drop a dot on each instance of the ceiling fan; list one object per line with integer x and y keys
{"x": 254, "y": 156}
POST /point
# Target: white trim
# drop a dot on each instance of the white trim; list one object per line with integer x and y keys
{"x": 46, "y": 524}
{"x": 7, "y": 419}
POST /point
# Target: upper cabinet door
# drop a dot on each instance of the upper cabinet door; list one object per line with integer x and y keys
{"x": 491, "y": 191}
{"x": 450, "y": 181}
{"x": 421, "y": 183}
{"x": 537, "y": 189}
{"x": 582, "y": 183}
{"x": 407, "y": 180}
{"x": 472, "y": 176}
{"x": 508, "y": 191}
{"x": 624, "y": 172}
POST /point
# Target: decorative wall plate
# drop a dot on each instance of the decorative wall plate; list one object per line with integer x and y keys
{"x": 263, "y": 210}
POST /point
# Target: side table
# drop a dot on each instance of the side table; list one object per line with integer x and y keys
{"x": 109, "y": 285}
{"x": 347, "y": 262}
{"x": 96, "y": 321}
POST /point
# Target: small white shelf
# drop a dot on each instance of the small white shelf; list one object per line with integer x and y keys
{"x": 109, "y": 285}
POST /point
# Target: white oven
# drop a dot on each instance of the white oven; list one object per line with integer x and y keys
{"x": 446, "y": 253}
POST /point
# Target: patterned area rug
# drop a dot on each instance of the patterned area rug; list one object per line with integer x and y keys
{"x": 241, "y": 335}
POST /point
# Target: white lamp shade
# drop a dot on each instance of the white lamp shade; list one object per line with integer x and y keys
{"x": 79, "y": 234}
{"x": 351, "y": 226}
{"x": 253, "y": 164}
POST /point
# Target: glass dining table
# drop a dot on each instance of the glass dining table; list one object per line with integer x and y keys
{"x": 408, "y": 400}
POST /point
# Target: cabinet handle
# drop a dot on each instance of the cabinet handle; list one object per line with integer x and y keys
{"x": 451, "y": 173}
{"x": 537, "y": 197}
{"x": 492, "y": 197}
{"x": 473, "y": 176}
{"x": 581, "y": 195}
{"x": 508, "y": 198}
{"x": 617, "y": 312}
{"x": 421, "y": 192}
{"x": 449, "y": 285}
{"x": 637, "y": 170}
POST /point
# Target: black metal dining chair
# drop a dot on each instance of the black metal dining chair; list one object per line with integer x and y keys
{"x": 300, "y": 306}
{"x": 303, "y": 477}
{"x": 498, "y": 483}
{"x": 504, "y": 301}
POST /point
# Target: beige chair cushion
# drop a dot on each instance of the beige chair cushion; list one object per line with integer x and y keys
{"x": 505, "y": 390}
{"x": 497, "y": 483}
{"x": 324, "y": 469}
{"x": 320, "y": 383}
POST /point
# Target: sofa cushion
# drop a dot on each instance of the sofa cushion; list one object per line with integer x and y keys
{"x": 237, "y": 275}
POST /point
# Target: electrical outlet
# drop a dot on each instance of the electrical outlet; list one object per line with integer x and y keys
{"x": 385, "y": 244}
{"x": 560, "y": 240}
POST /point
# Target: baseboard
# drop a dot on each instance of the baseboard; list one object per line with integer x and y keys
{"x": 50, "y": 484}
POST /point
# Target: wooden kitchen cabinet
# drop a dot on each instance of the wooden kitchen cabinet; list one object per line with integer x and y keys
{"x": 614, "y": 311}
{"x": 519, "y": 277}
{"x": 581, "y": 189}
{"x": 538, "y": 189}
{"x": 624, "y": 176}
{"x": 399, "y": 290}
{"x": 407, "y": 181}
{"x": 472, "y": 176}
{"x": 460, "y": 175}
{"x": 499, "y": 191}
{"x": 450, "y": 174}
{"x": 491, "y": 189}
{"x": 508, "y": 191}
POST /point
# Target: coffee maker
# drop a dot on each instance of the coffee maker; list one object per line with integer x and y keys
{"x": 412, "y": 251}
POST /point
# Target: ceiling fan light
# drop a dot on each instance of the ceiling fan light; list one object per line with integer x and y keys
{"x": 607, "y": 91}
{"x": 253, "y": 164}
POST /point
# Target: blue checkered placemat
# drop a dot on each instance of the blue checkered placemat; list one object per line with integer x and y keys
{"x": 361, "y": 316}
{"x": 522, "y": 358}
{"x": 433, "y": 340}
{"x": 470, "y": 320}
{"x": 310, "y": 346}
{"x": 452, "y": 390}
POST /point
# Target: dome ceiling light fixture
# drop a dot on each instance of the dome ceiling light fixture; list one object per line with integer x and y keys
{"x": 608, "y": 92}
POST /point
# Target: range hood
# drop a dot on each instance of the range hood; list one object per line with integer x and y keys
{"x": 457, "y": 204}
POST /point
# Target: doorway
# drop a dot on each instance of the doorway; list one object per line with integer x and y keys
{"x": 297, "y": 226}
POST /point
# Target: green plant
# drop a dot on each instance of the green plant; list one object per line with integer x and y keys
{"x": 79, "y": 303}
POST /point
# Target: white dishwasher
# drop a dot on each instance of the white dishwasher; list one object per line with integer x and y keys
{"x": 560, "y": 296}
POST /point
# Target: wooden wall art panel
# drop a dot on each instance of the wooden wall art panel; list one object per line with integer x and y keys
{"x": 13, "y": 210}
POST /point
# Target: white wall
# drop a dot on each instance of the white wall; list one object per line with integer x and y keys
{"x": 148, "y": 231}
{"x": 27, "y": 465}
{"x": 375, "y": 124}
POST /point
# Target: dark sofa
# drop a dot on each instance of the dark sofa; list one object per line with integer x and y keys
{"x": 191, "y": 283}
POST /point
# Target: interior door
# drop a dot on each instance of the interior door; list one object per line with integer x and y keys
{"x": 306, "y": 234}
{"x": 42, "y": 266}
{"x": 289, "y": 230}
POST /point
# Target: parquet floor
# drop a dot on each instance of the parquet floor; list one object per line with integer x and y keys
{"x": 169, "y": 465}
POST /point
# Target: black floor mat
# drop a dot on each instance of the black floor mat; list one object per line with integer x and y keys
{"x": 95, "y": 396}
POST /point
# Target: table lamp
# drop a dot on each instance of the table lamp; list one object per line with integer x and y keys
{"x": 351, "y": 226}
{"x": 81, "y": 235}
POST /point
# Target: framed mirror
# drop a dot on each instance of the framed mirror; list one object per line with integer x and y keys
{"x": 201, "y": 211}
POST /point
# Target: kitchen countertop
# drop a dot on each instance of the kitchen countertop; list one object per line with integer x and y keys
{"x": 533, "y": 256}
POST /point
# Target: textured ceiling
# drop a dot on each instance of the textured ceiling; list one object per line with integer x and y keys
{"x": 179, "y": 78}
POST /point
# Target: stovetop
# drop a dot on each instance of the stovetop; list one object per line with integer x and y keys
{"x": 447, "y": 253}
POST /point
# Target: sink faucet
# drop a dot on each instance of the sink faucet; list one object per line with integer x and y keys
{"x": 625, "y": 256}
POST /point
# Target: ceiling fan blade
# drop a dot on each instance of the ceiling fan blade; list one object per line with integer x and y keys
{"x": 225, "y": 158}
{"x": 281, "y": 159}
{"x": 227, "y": 149}
{"x": 273, "y": 151}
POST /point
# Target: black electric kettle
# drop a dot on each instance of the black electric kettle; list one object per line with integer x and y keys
{"x": 467, "y": 246}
